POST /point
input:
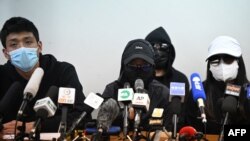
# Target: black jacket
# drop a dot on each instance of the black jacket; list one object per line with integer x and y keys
{"x": 158, "y": 95}
{"x": 214, "y": 122}
{"x": 60, "y": 74}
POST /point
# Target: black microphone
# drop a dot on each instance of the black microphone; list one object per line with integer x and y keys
{"x": 177, "y": 94}
{"x": 91, "y": 102}
{"x": 10, "y": 96}
{"x": 44, "y": 108}
{"x": 66, "y": 98}
{"x": 108, "y": 112}
{"x": 229, "y": 105}
{"x": 31, "y": 89}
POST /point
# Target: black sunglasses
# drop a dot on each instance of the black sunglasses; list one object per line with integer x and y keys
{"x": 145, "y": 67}
{"x": 215, "y": 60}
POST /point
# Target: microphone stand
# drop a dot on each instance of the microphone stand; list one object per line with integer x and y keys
{"x": 36, "y": 131}
{"x": 136, "y": 124}
{"x": 175, "y": 121}
{"x": 63, "y": 124}
{"x": 20, "y": 136}
{"x": 221, "y": 137}
{"x": 125, "y": 121}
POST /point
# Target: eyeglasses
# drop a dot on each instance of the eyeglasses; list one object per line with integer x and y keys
{"x": 227, "y": 59}
{"x": 161, "y": 46}
{"x": 144, "y": 67}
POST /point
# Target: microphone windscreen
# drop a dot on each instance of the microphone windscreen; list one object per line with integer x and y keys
{"x": 229, "y": 104}
{"x": 108, "y": 112}
{"x": 10, "y": 96}
{"x": 126, "y": 85}
{"x": 53, "y": 93}
{"x": 139, "y": 84}
{"x": 187, "y": 132}
{"x": 34, "y": 82}
{"x": 197, "y": 87}
{"x": 176, "y": 105}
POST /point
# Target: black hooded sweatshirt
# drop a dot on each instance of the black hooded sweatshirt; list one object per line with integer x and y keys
{"x": 159, "y": 35}
{"x": 60, "y": 74}
{"x": 158, "y": 94}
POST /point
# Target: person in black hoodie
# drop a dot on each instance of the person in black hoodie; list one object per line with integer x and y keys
{"x": 22, "y": 48}
{"x": 138, "y": 63}
{"x": 164, "y": 59}
{"x": 225, "y": 65}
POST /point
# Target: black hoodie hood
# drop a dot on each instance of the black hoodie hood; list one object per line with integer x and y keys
{"x": 159, "y": 35}
{"x": 138, "y": 48}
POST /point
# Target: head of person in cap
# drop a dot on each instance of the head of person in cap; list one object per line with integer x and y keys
{"x": 137, "y": 62}
{"x": 224, "y": 61}
{"x": 225, "y": 66}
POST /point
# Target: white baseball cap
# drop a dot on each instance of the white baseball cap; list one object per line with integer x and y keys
{"x": 224, "y": 45}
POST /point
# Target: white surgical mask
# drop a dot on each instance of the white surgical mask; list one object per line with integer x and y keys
{"x": 223, "y": 71}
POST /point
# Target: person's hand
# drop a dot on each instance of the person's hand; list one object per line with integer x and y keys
{"x": 29, "y": 126}
{"x": 131, "y": 113}
{"x": 9, "y": 128}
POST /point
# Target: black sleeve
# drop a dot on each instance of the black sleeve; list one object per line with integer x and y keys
{"x": 192, "y": 112}
{"x": 68, "y": 78}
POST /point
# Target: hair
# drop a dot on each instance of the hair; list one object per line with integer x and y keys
{"x": 16, "y": 25}
{"x": 210, "y": 87}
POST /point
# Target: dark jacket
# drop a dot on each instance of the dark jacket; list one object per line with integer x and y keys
{"x": 60, "y": 74}
{"x": 159, "y": 35}
{"x": 158, "y": 95}
{"x": 214, "y": 122}
{"x": 157, "y": 92}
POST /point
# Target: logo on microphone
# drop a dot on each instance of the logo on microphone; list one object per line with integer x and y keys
{"x": 197, "y": 83}
{"x": 233, "y": 90}
{"x": 125, "y": 94}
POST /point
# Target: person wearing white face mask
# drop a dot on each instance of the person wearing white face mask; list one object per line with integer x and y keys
{"x": 225, "y": 65}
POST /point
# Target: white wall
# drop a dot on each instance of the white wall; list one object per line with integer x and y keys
{"x": 92, "y": 34}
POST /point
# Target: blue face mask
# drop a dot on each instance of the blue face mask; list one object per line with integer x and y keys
{"x": 24, "y": 58}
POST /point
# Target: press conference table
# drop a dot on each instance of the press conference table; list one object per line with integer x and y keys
{"x": 163, "y": 137}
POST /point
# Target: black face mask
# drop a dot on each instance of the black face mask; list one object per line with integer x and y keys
{"x": 161, "y": 55}
{"x": 132, "y": 73}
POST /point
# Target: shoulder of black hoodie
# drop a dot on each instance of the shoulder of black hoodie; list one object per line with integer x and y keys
{"x": 62, "y": 74}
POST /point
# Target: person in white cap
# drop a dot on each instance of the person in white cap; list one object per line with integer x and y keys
{"x": 225, "y": 66}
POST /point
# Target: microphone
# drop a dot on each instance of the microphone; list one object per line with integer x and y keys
{"x": 177, "y": 93}
{"x": 92, "y": 101}
{"x": 125, "y": 96}
{"x": 140, "y": 100}
{"x": 229, "y": 104}
{"x": 199, "y": 94}
{"x": 108, "y": 112}
{"x": 66, "y": 98}
{"x": 10, "y": 96}
{"x": 189, "y": 133}
{"x": 31, "y": 89}
{"x": 44, "y": 108}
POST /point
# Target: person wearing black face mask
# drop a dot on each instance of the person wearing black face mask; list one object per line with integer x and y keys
{"x": 164, "y": 59}
{"x": 138, "y": 63}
